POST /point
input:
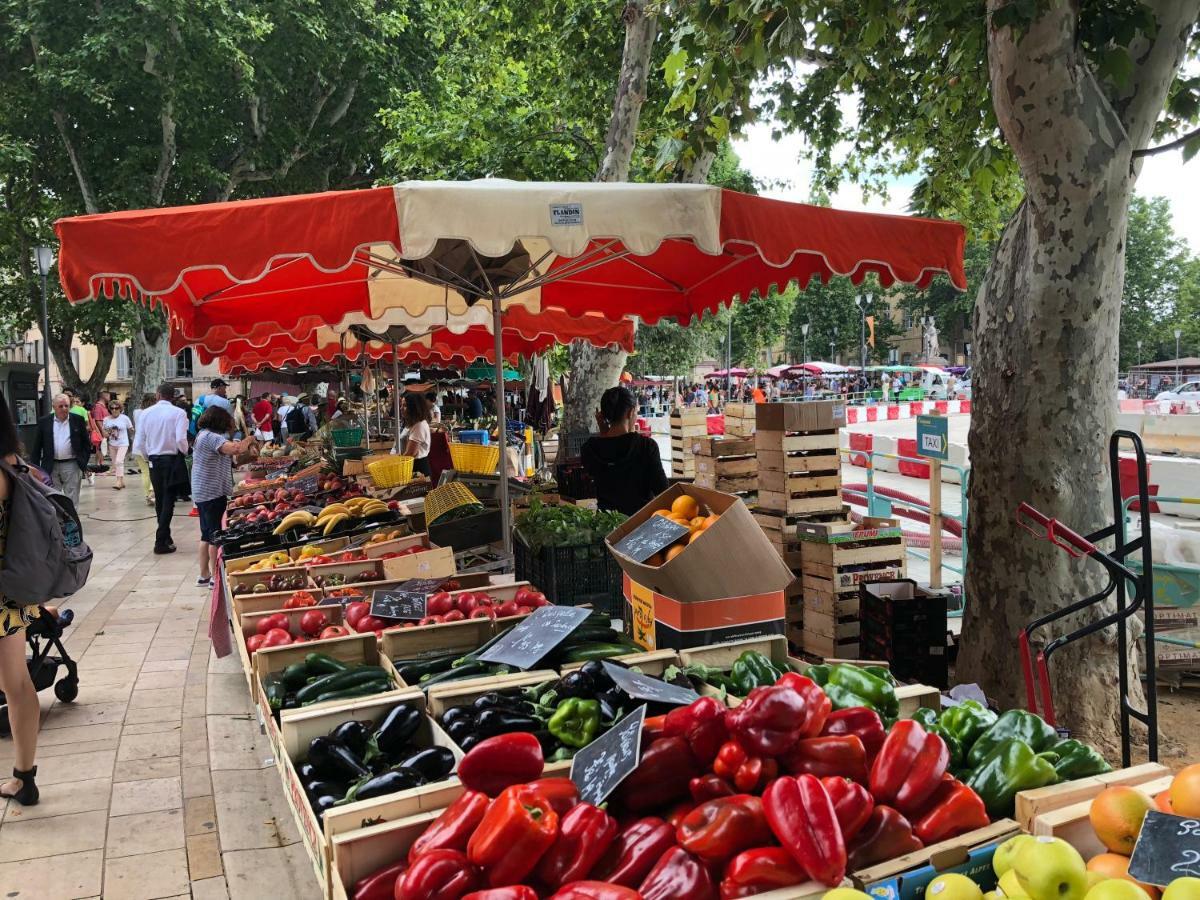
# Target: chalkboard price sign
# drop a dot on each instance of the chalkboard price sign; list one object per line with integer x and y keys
{"x": 1168, "y": 847}
{"x": 643, "y": 687}
{"x": 539, "y": 633}
{"x": 651, "y": 536}
{"x": 308, "y": 484}
{"x": 602, "y": 765}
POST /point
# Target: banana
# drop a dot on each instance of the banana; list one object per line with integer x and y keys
{"x": 333, "y": 521}
{"x": 332, "y": 510}
{"x": 292, "y": 519}
{"x": 371, "y": 509}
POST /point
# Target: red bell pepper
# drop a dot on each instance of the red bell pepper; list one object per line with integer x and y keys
{"x": 861, "y": 721}
{"x": 512, "y": 892}
{"x": 760, "y": 870}
{"x": 852, "y": 803}
{"x": 561, "y": 792}
{"x": 816, "y": 702}
{"x": 518, "y": 827}
{"x": 584, "y": 833}
{"x": 498, "y": 762}
{"x": 594, "y": 890}
{"x": 680, "y": 811}
{"x": 454, "y": 827}
{"x": 801, "y": 815}
{"x": 909, "y": 767}
{"x": 661, "y": 777}
{"x": 652, "y": 728}
{"x": 773, "y": 717}
{"x": 886, "y": 835}
{"x": 701, "y": 724}
{"x": 834, "y": 754}
{"x": 745, "y": 771}
{"x": 438, "y": 875}
{"x": 380, "y": 885}
{"x": 709, "y": 787}
{"x": 635, "y": 851}
{"x": 720, "y": 829}
{"x": 953, "y": 809}
{"x": 678, "y": 874}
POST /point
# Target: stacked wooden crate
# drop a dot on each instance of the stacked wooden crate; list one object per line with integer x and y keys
{"x": 726, "y": 464}
{"x": 740, "y": 420}
{"x": 836, "y": 558}
{"x": 686, "y": 425}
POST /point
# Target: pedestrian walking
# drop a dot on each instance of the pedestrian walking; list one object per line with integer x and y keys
{"x": 117, "y": 431}
{"x": 142, "y": 463}
{"x": 162, "y": 439}
{"x": 212, "y": 480}
{"x": 263, "y": 413}
{"x": 99, "y": 414}
{"x": 62, "y": 447}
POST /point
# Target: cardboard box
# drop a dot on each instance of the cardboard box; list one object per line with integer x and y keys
{"x": 810, "y": 415}
{"x": 703, "y": 572}
{"x": 656, "y": 621}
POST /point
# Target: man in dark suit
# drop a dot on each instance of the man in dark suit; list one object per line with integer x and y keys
{"x": 63, "y": 447}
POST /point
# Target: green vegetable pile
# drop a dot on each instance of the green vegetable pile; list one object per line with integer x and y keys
{"x": 564, "y": 526}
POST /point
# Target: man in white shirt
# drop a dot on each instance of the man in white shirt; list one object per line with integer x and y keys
{"x": 161, "y": 437}
{"x": 285, "y": 407}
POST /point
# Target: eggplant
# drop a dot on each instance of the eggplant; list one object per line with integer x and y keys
{"x": 315, "y": 789}
{"x": 306, "y": 772}
{"x": 469, "y": 741}
{"x": 611, "y": 703}
{"x": 334, "y": 760}
{"x": 595, "y": 670}
{"x": 454, "y": 713}
{"x": 389, "y": 782}
{"x": 324, "y": 803}
{"x": 548, "y": 741}
{"x": 492, "y": 722}
{"x": 396, "y": 730}
{"x": 434, "y": 763}
{"x": 460, "y": 729}
{"x": 576, "y": 684}
{"x": 496, "y": 700}
{"x": 354, "y": 735}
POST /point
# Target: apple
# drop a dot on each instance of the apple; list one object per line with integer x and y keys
{"x": 1117, "y": 889}
{"x": 953, "y": 886}
{"x": 1049, "y": 868}
{"x": 1183, "y": 889}
{"x": 1002, "y": 859}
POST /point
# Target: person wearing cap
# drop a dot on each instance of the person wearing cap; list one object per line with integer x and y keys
{"x": 217, "y": 397}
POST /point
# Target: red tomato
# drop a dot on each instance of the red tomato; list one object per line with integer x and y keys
{"x": 522, "y": 592}
{"x": 321, "y": 560}
{"x": 483, "y": 612}
{"x": 391, "y": 554}
{"x": 439, "y": 604}
{"x": 303, "y": 639}
{"x": 508, "y": 608}
{"x": 254, "y": 642}
{"x": 313, "y": 622}
{"x": 303, "y": 598}
{"x": 277, "y": 620}
{"x": 277, "y": 637}
{"x": 433, "y": 620}
{"x": 534, "y": 600}
{"x": 355, "y": 611}
{"x": 455, "y": 615}
{"x": 334, "y": 631}
{"x": 369, "y": 623}
{"x": 452, "y": 585}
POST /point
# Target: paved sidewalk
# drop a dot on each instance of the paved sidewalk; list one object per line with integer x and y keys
{"x": 156, "y": 782}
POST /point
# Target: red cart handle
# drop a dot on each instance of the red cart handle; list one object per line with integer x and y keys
{"x": 1054, "y": 531}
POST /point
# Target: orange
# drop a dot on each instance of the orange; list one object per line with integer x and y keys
{"x": 709, "y": 520}
{"x": 1163, "y": 802}
{"x": 697, "y": 522}
{"x": 1185, "y": 791}
{"x": 685, "y": 506}
{"x": 1116, "y": 815}
{"x": 661, "y": 512}
{"x": 695, "y": 534}
{"x": 655, "y": 561}
{"x": 674, "y": 550}
{"x": 680, "y": 519}
{"x": 1114, "y": 865}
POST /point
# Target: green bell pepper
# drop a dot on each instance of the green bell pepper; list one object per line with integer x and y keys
{"x": 575, "y": 721}
{"x": 1016, "y": 723}
{"x": 1077, "y": 760}
{"x": 958, "y": 753}
{"x": 926, "y": 716}
{"x": 752, "y": 669}
{"x": 819, "y": 674}
{"x": 860, "y": 687}
{"x": 1011, "y": 766}
{"x": 967, "y": 722}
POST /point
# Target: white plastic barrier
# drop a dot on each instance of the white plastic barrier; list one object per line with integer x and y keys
{"x": 1176, "y": 477}
{"x": 886, "y": 443}
{"x": 958, "y": 457}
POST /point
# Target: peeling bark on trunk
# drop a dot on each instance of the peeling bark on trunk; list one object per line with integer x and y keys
{"x": 147, "y": 361}
{"x": 1046, "y": 327}
{"x": 595, "y": 370}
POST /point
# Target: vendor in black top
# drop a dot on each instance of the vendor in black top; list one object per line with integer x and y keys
{"x": 624, "y": 465}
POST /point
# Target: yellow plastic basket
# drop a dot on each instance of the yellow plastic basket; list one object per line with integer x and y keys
{"x": 449, "y": 496}
{"x": 481, "y": 459}
{"x": 391, "y": 472}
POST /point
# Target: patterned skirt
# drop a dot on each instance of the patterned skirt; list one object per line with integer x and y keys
{"x": 14, "y": 617}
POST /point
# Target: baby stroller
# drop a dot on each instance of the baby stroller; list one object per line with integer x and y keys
{"x": 43, "y": 635}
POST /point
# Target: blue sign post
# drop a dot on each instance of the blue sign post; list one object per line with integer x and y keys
{"x": 933, "y": 444}
{"x": 933, "y": 437}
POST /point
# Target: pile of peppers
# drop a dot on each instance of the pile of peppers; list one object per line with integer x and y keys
{"x": 1015, "y": 751}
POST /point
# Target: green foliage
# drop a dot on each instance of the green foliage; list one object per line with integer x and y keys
{"x": 834, "y": 318}
{"x": 670, "y": 349}
{"x": 1160, "y": 282}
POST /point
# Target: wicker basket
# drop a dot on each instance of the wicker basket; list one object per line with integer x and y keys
{"x": 391, "y": 472}
{"x": 449, "y": 496}
{"x": 479, "y": 459}
{"x": 346, "y": 437}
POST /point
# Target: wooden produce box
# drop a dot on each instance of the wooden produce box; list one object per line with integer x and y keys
{"x": 650, "y": 662}
{"x": 788, "y": 443}
{"x": 721, "y": 470}
{"x": 395, "y": 545}
{"x": 434, "y": 640}
{"x": 1039, "y": 801}
{"x": 812, "y": 462}
{"x": 906, "y": 876}
{"x": 353, "y": 573}
{"x": 740, "y": 419}
{"x": 723, "y": 447}
{"x": 249, "y": 580}
{"x": 796, "y": 495}
{"x": 252, "y": 604}
{"x": 1071, "y": 822}
{"x": 247, "y": 627}
{"x": 242, "y": 563}
{"x": 299, "y": 727}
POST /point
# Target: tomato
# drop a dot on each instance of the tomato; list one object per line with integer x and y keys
{"x": 254, "y": 642}
{"x": 313, "y": 622}
{"x": 393, "y": 504}
{"x": 334, "y": 631}
{"x": 321, "y": 560}
{"x": 522, "y": 592}
{"x": 483, "y": 612}
{"x": 355, "y": 611}
{"x": 369, "y": 623}
{"x": 277, "y": 637}
{"x": 439, "y": 604}
{"x": 534, "y": 600}
{"x": 303, "y": 598}
{"x": 452, "y": 585}
{"x": 508, "y": 608}
{"x": 277, "y": 620}
{"x": 433, "y": 620}
{"x": 455, "y": 615}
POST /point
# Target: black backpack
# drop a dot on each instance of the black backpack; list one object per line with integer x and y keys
{"x": 45, "y": 556}
{"x": 297, "y": 424}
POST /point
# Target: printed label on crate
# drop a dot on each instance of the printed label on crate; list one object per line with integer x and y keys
{"x": 278, "y": 473}
{"x": 603, "y": 764}
{"x": 653, "y": 535}
{"x": 539, "y": 633}
{"x": 643, "y": 687}
{"x": 852, "y": 579}
{"x": 1168, "y": 847}
{"x": 407, "y": 601}
{"x": 641, "y": 601}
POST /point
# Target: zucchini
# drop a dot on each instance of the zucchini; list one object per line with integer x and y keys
{"x": 323, "y": 664}
{"x": 413, "y": 670}
{"x": 274, "y": 690}
{"x": 473, "y": 669}
{"x": 295, "y": 676}
{"x": 339, "y": 681}
{"x": 585, "y": 652}
{"x": 361, "y": 690}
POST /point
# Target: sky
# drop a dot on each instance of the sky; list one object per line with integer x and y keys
{"x": 1162, "y": 175}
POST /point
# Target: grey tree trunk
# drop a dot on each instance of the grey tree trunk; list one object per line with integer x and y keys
{"x": 1046, "y": 326}
{"x": 147, "y": 360}
{"x": 595, "y": 370}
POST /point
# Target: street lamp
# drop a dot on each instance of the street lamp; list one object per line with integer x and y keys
{"x": 1178, "y": 332}
{"x": 1139, "y": 345}
{"x": 804, "y": 331}
{"x": 863, "y": 301}
{"x": 44, "y": 257}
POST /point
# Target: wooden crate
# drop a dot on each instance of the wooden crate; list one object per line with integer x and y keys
{"x": 1040, "y": 801}
{"x": 788, "y": 526}
{"x": 741, "y": 484}
{"x": 827, "y": 501}
{"x": 688, "y": 415}
{"x": 1071, "y": 823}
{"x": 800, "y": 484}
{"x": 720, "y": 447}
{"x": 680, "y": 432}
{"x": 834, "y": 556}
{"x": 651, "y": 662}
{"x": 997, "y": 831}
{"x": 727, "y": 466}
{"x": 824, "y": 645}
{"x": 785, "y": 442}
{"x": 814, "y": 462}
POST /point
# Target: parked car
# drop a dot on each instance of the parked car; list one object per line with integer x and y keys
{"x": 1189, "y": 391}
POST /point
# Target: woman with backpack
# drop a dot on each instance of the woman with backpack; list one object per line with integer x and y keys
{"x": 24, "y": 711}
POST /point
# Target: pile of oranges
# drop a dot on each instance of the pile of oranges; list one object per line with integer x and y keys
{"x": 690, "y": 513}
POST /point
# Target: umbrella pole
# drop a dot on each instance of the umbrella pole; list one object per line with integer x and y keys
{"x": 378, "y": 402}
{"x": 505, "y": 506}
{"x": 396, "y": 393}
